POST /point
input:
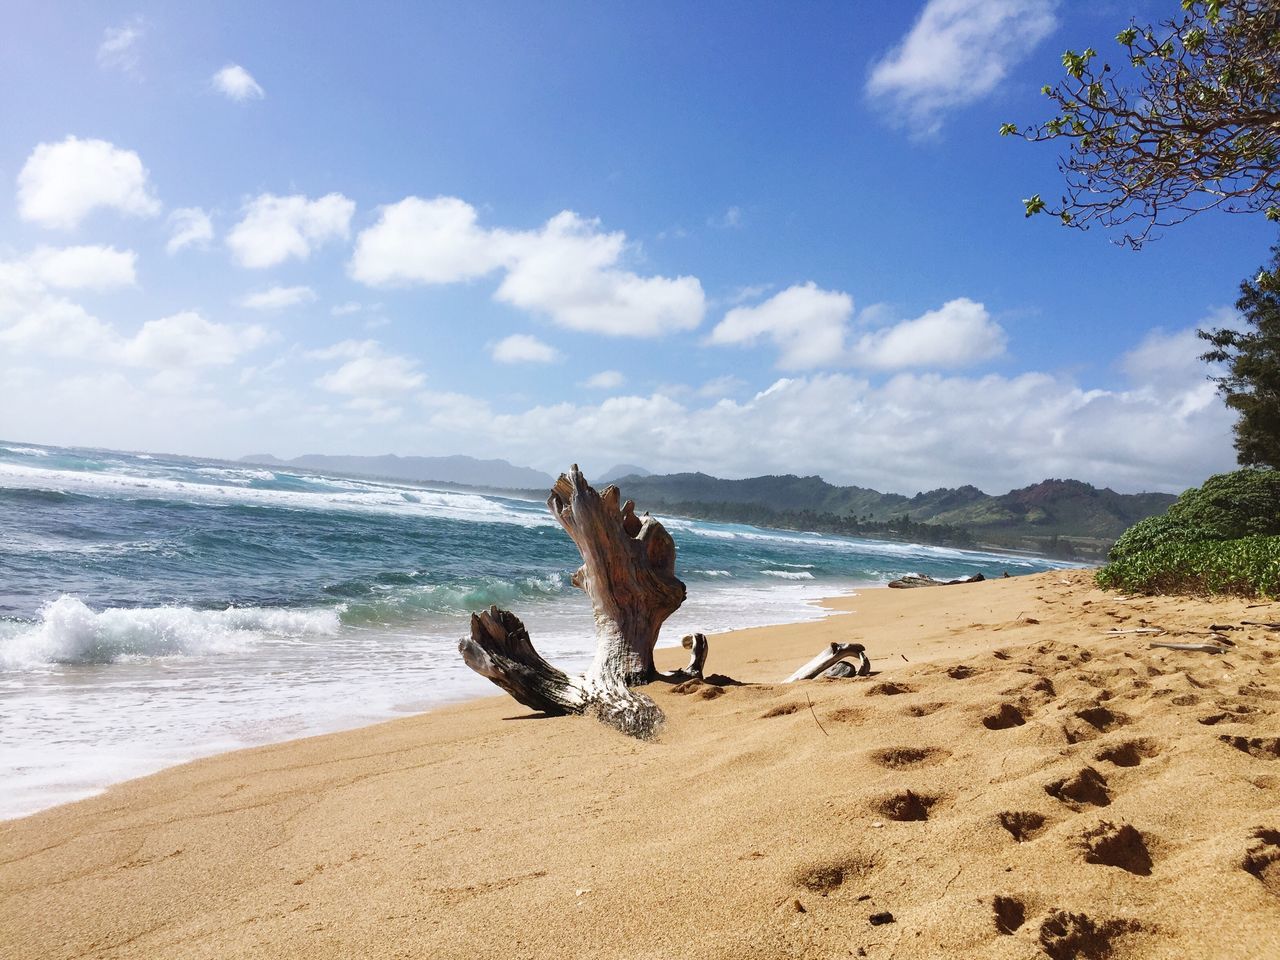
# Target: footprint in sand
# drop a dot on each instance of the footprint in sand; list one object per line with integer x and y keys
{"x": 1091, "y": 721}
{"x": 1010, "y": 914}
{"x": 1264, "y": 748}
{"x": 827, "y": 876}
{"x": 1130, "y": 753}
{"x": 1071, "y": 936}
{"x": 1262, "y": 859}
{"x": 924, "y": 709}
{"x": 1004, "y": 717}
{"x": 896, "y": 758}
{"x": 1085, "y": 788}
{"x": 781, "y": 710}
{"x": 908, "y": 806}
{"x": 889, "y": 688}
{"x": 1023, "y": 825}
{"x": 1121, "y": 846}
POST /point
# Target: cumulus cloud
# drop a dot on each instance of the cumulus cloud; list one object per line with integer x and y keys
{"x": 189, "y": 227}
{"x": 35, "y": 320}
{"x": 276, "y": 298}
{"x": 119, "y": 47}
{"x": 187, "y": 339}
{"x": 522, "y": 348}
{"x": 913, "y": 432}
{"x": 568, "y": 269}
{"x": 236, "y": 83}
{"x": 62, "y": 183}
{"x": 958, "y": 51}
{"x": 960, "y": 333}
{"x": 84, "y": 267}
{"x": 369, "y": 371}
{"x": 605, "y": 380}
{"x": 805, "y": 323}
{"x": 273, "y": 228}
{"x": 811, "y": 327}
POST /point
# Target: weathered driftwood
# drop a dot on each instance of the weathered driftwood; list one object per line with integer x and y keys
{"x": 831, "y": 655}
{"x": 924, "y": 580}
{"x": 1197, "y": 647}
{"x": 628, "y": 571}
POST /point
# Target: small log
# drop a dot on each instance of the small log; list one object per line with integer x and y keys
{"x": 1197, "y": 647}
{"x": 924, "y": 580}
{"x": 830, "y": 656}
{"x": 1120, "y": 633}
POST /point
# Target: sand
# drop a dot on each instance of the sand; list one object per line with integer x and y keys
{"x": 1015, "y": 783}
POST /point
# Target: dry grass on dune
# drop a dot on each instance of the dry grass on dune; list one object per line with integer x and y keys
{"x": 1015, "y": 783}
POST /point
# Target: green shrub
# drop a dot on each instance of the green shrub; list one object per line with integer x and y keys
{"x": 1228, "y": 507}
{"x": 1249, "y": 566}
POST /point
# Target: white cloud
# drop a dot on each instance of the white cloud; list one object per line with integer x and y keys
{"x": 84, "y": 267}
{"x": 368, "y": 371}
{"x": 274, "y": 228}
{"x": 119, "y": 47}
{"x": 346, "y": 309}
{"x": 236, "y": 83}
{"x": 34, "y": 320}
{"x": 810, "y": 328}
{"x": 605, "y": 380}
{"x": 427, "y": 241}
{"x": 960, "y": 333}
{"x": 522, "y": 348}
{"x": 915, "y": 431}
{"x": 958, "y": 51}
{"x": 806, "y": 324}
{"x": 187, "y": 339}
{"x": 275, "y": 298}
{"x": 191, "y": 227}
{"x": 567, "y": 269}
{"x": 62, "y": 183}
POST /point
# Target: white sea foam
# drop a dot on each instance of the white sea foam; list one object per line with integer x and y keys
{"x": 355, "y": 497}
{"x": 788, "y": 574}
{"x": 26, "y": 451}
{"x": 70, "y": 632}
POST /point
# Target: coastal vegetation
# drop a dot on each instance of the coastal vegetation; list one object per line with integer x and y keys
{"x": 1220, "y": 538}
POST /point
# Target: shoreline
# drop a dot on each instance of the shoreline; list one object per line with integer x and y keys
{"x": 767, "y": 820}
{"x": 427, "y": 704}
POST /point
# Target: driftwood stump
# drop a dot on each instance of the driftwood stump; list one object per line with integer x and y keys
{"x": 629, "y": 572}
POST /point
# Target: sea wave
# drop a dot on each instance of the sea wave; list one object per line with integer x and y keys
{"x": 344, "y": 496}
{"x": 25, "y": 451}
{"x": 398, "y": 604}
{"x": 68, "y": 631}
{"x": 788, "y": 574}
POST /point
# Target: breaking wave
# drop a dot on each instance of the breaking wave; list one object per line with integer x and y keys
{"x": 70, "y": 632}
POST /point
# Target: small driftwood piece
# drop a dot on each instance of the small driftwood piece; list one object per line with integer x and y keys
{"x": 629, "y": 572}
{"x": 1256, "y": 623}
{"x": 1196, "y": 647}
{"x": 912, "y": 580}
{"x": 829, "y": 657}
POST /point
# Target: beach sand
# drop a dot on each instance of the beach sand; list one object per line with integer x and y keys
{"x": 1015, "y": 783}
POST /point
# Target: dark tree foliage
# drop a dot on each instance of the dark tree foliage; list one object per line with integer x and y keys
{"x": 1251, "y": 385}
{"x": 1190, "y": 121}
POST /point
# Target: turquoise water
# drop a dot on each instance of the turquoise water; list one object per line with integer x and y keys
{"x": 154, "y": 609}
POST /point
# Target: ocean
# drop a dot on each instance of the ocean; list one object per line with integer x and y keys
{"x": 156, "y": 609}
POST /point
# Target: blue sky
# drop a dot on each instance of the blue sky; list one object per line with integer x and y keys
{"x": 738, "y": 238}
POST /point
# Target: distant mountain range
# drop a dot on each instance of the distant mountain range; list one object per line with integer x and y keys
{"x": 1066, "y": 517}
{"x": 467, "y": 471}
